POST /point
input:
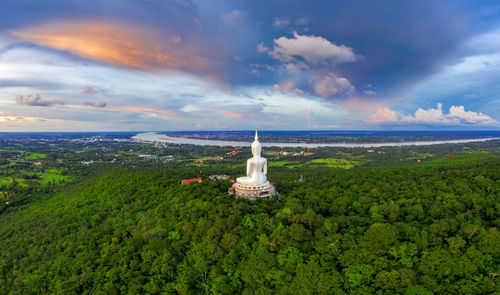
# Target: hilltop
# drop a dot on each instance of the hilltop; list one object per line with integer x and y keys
{"x": 416, "y": 229}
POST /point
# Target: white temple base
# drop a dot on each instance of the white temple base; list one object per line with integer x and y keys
{"x": 256, "y": 181}
{"x": 253, "y": 191}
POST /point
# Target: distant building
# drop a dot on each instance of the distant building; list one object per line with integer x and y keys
{"x": 148, "y": 157}
{"x": 218, "y": 177}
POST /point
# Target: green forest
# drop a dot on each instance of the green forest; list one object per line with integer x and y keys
{"x": 426, "y": 228}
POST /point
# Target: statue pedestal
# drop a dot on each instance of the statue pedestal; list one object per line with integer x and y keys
{"x": 252, "y": 191}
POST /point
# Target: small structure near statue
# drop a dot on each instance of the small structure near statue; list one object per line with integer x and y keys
{"x": 191, "y": 180}
{"x": 219, "y": 177}
{"x": 255, "y": 184}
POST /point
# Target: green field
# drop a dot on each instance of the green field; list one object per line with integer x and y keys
{"x": 35, "y": 156}
{"x": 281, "y": 163}
{"x": 53, "y": 176}
{"x": 337, "y": 163}
{"x": 8, "y": 180}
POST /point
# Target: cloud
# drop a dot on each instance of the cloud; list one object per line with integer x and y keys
{"x": 330, "y": 85}
{"x": 296, "y": 68}
{"x": 117, "y": 43}
{"x": 307, "y": 115}
{"x": 469, "y": 117}
{"x": 302, "y": 21}
{"x": 234, "y": 18}
{"x": 286, "y": 87}
{"x": 254, "y": 72}
{"x": 146, "y": 100}
{"x": 97, "y": 104}
{"x": 232, "y": 114}
{"x": 261, "y": 48}
{"x": 312, "y": 58}
{"x": 355, "y": 104}
{"x": 176, "y": 39}
{"x": 150, "y": 111}
{"x": 35, "y": 100}
{"x": 281, "y": 22}
{"x": 24, "y": 119}
{"x": 457, "y": 116}
{"x": 264, "y": 66}
{"x": 369, "y": 92}
{"x": 312, "y": 48}
{"x": 382, "y": 115}
{"x": 89, "y": 91}
{"x": 427, "y": 116}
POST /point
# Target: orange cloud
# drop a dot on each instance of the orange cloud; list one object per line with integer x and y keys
{"x": 147, "y": 110}
{"x": 117, "y": 43}
{"x": 382, "y": 115}
{"x": 233, "y": 114}
{"x": 359, "y": 105}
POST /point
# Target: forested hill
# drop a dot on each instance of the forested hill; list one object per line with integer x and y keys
{"x": 418, "y": 229}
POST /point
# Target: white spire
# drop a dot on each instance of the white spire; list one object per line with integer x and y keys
{"x": 256, "y": 135}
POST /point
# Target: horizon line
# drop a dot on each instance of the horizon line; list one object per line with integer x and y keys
{"x": 266, "y": 130}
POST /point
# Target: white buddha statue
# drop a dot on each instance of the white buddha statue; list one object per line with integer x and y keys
{"x": 256, "y": 166}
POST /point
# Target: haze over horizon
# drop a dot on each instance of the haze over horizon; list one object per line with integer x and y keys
{"x": 164, "y": 65}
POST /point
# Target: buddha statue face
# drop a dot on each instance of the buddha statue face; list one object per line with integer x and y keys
{"x": 256, "y": 146}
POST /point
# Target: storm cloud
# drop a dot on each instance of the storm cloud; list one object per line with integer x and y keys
{"x": 143, "y": 64}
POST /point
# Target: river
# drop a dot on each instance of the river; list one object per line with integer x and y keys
{"x": 155, "y": 137}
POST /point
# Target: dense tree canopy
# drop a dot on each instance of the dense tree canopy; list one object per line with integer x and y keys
{"x": 414, "y": 229}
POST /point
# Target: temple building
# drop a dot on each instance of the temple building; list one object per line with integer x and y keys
{"x": 255, "y": 184}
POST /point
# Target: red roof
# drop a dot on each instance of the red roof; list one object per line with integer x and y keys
{"x": 451, "y": 156}
{"x": 191, "y": 180}
{"x": 232, "y": 153}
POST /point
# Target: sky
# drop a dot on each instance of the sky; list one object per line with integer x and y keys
{"x": 159, "y": 65}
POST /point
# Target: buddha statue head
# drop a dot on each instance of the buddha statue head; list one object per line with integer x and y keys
{"x": 256, "y": 146}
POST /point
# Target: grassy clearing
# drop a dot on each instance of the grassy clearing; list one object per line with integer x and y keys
{"x": 35, "y": 156}
{"x": 343, "y": 163}
{"x": 281, "y": 163}
{"x": 53, "y": 176}
{"x": 6, "y": 180}
{"x": 336, "y": 163}
{"x": 471, "y": 152}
